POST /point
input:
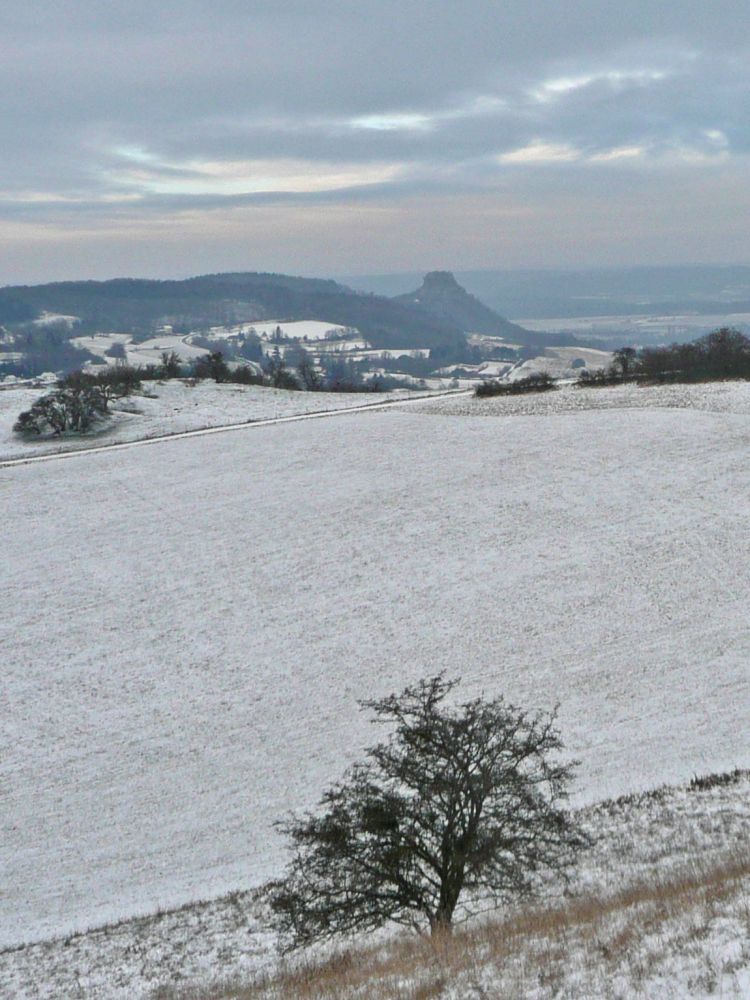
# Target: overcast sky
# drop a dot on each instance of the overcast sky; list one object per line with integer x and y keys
{"x": 159, "y": 138}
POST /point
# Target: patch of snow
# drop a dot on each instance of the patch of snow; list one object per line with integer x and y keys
{"x": 48, "y": 318}
{"x": 298, "y": 329}
{"x": 100, "y": 343}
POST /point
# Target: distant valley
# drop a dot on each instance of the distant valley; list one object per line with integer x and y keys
{"x": 636, "y": 305}
{"x": 436, "y": 332}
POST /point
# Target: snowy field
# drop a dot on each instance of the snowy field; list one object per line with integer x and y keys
{"x": 310, "y": 329}
{"x": 100, "y": 343}
{"x": 651, "y": 837}
{"x": 145, "y": 352}
{"x": 172, "y": 407}
{"x": 709, "y": 397}
{"x": 187, "y": 627}
{"x": 150, "y": 351}
{"x": 557, "y": 362}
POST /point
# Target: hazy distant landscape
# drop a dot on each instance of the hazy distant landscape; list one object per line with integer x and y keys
{"x": 550, "y": 291}
{"x": 640, "y": 305}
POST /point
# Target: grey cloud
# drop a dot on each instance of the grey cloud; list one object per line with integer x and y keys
{"x": 454, "y": 89}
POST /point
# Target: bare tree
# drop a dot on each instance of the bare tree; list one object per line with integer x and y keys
{"x": 624, "y": 360}
{"x": 278, "y": 374}
{"x": 308, "y": 372}
{"x": 74, "y": 410}
{"x": 460, "y": 805}
{"x": 170, "y": 366}
{"x": 211, "y": 365}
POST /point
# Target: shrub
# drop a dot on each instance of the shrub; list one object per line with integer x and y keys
{"x": 211, "y": 365}
{"x": 703, "y": 782}
{"x": 282, "y": 378}
{"x": 601, "y": 377}
{"x": 69, "y": 409}
{"x": 170, "y": 366}
{"x": 113, "y": 382}
{"x": 725, "y": 353}
{"x": 536, "y": 382}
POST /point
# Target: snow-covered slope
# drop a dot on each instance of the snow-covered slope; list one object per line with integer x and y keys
{"x": 641, "y": 842}
{"x": 187, "y": 627}
{"x": 709, "y": 397}
{"x": 171, "y": 407}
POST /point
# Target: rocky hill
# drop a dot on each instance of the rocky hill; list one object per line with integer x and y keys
{"x": 137, "y": 306}
{"x": 442, "y": 296}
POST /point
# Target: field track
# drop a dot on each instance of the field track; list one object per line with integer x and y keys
{"x": 224, "y": 428}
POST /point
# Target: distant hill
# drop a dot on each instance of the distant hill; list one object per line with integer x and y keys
{"x": 443, "y": 297}
{"x": 137, "y": 306}
{"x": 551, "y": 293}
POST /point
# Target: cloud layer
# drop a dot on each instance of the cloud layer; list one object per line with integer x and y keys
{"x": 329, "y": 136}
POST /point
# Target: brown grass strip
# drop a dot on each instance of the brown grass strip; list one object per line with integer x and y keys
{"x": 413, "y": 968}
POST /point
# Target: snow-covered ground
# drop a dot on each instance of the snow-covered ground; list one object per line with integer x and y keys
{"x": 641, "y": 841}
{"x": 169, "y": 408}
{"x": 557, "y": 362}
{"x": 187, "y": 627}
{"x": 311, "y": 329}
{"x": 149, "y": 352}
{"x": 146, "y": 352}
{"x": 100, "y": 343}
{"x": 709, "y": 397}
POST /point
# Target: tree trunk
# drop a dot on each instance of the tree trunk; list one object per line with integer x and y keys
{"x": 441, "y": 924}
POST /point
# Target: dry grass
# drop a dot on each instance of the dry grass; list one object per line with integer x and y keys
{"x": 612, "y": 945}
{"x": 659, "y": 908}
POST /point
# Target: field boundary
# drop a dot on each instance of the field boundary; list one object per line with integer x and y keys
{"x": 9, "y": 463}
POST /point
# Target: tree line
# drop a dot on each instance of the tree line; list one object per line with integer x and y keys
{"x": 139, "y": 307}
{"x": 536, "y": 382}
{"x": 82, "y": 398}
{"x": 722, "y": 354}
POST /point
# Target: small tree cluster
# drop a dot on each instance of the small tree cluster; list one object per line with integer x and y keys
{"x": 536, "y": 382}
{"x": 211, "y": 365}
{"x": 725, "y": 353}
{"x": 460, "y": 807}
{"x": 45, "y": 348}
{"x": 113, "y": 382}
{"x": 214, "y": 365}
{"x": 244, "y": 345}
{"x": 277, "y": 373}
{"x": 625, "y": 367}
{"x": 308, "y": 373}
{"x": 70, "y": 409}
{"x": 117, "y": 352}
{"x": 341, "y": 374}
{"x": 599, "y": 378}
